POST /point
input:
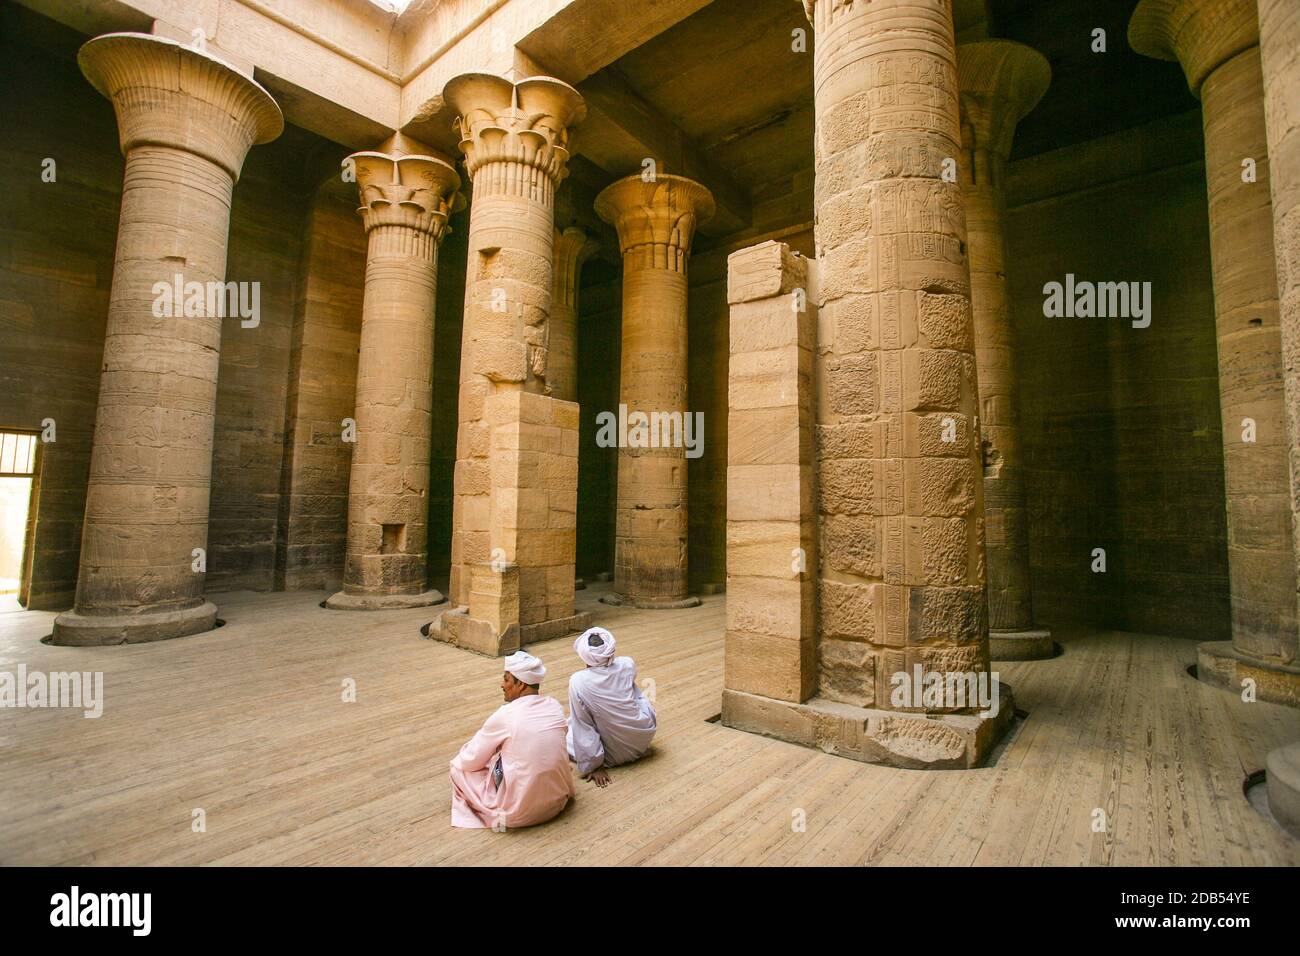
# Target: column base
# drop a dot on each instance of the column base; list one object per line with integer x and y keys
{"x": 457, "y": 628}
{"x": 1283, "y": 783}
{"x": 579, "y": 584}
{"x": 662, "y": 604}
{"x": 383, "y": 602}
{"x": 910, "y": 741}
{"x": 1034, "y": 644}
{"x": 1221, "y": 664}
{"x": 74, "y": 629}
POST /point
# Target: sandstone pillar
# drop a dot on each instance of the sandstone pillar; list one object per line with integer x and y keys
{"x": 656, "y": 223}
{"x": 999, "y": 82}
{"x": 514, "y": 517}
{"x": 1217, "y": 44}
{"x": 1279, "y": 27}
{"x": 572, "y": 249}
{"x": 900, "y": 599}
{"x": 405, "y": 203}
{"x": 186, "y": 120}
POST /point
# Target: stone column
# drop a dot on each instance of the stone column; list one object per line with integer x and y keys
{"x": 1279, "y": 27}
{"x": 1217, "y": 44}
{"x": 572, "y": 249}
{"x": 900, "y": 599}
{"x": 656, "y": 222}
{"x": 186, "y": 121}
{"x": 405, "y": 203}
{"x": 999, "y": 82}
{"x": 514, "y": 518}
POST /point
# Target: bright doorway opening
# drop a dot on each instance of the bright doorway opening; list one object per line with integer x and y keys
{"x": 17, "y": 481}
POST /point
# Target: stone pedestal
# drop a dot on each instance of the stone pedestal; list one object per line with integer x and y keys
{"x": 656, "y": 223}
{"x": 405, "y": 203}
{"x": 516, "y": 473}
{"x": 999, "y": 82}
{"x": 186, "y": 121}
{"x": 899, "y": 505}
{"x": 1216, "y": 42}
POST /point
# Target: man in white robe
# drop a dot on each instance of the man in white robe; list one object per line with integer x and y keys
{"x": 514, "y": 772}
{"x": 610, "y": 720}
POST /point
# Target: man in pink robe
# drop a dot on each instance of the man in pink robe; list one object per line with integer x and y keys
{"x": 515, "y": 771}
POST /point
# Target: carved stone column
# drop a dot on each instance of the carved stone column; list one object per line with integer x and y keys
{"x": 514, "y": 518}
{"x": 405, "y": 203}
{"x": 186, "y": 121}
{"x": 1217, "y": 44}
{"x": 572, "y": 249}
{"x": 656, "y": 223}
{"x": 1279, "y": 27}
{"x": 999, "y": 81}
{"x": 898, "y": 508}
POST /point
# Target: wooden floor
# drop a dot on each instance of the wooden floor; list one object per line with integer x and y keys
{"x": 247, "y": 723}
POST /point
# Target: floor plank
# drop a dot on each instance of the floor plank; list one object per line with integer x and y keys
{"x": 248, "y": 724}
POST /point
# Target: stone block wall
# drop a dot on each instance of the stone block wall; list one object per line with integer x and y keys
{"x": 312, "y": 530}
{"x": 771, "y": 647}
{"x": 1121, "y": 425}
{"x": 533, "y": 462}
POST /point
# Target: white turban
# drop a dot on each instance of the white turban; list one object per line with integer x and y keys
{"x": 525, "y": 667}
{"x": 597, "y": 656}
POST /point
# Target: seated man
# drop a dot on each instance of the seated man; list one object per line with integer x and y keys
{"x": 514, "y": 772}
{"x": 610, "y": 720}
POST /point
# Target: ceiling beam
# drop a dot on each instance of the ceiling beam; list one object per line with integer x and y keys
{"x": 622, "y": 130}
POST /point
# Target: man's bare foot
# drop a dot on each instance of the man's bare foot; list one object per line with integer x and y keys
{"x": 600, "y": 777}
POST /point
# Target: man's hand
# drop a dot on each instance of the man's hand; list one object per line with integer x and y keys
{"x": 600, "y": 777}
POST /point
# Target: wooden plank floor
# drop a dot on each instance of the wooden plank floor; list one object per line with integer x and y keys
{"x": 247, "y": 723}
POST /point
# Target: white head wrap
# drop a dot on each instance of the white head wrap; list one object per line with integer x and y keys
{"x": 599, "y": 655}
{"x": 526, "y": 667}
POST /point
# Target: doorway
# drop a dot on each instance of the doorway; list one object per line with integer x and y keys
{"x": 17, "y": 483}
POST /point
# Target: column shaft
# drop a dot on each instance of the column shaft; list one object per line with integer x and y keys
{"x": 186, "y": 121}
{"x": 1000, "y": 82}
{"x": 1279, "y": 25}
{"x": 1261, "y": 564}
{"x": 406, "y": 201}
{"x": 572, "y": 247}
{"x": 656, "y": 223}
{"x": 899, "y": 487}
{"x": 1217, "y": 44}
{"x": 516, "y": 482}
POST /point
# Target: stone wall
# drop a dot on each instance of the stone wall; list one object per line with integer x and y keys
{"x": 1121, "y": 424}
{"x": 57, "y": 241}
{"x": 267, "y": 218}
{"x": 312, "y": 528}
{"x": 598, "y": 344}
